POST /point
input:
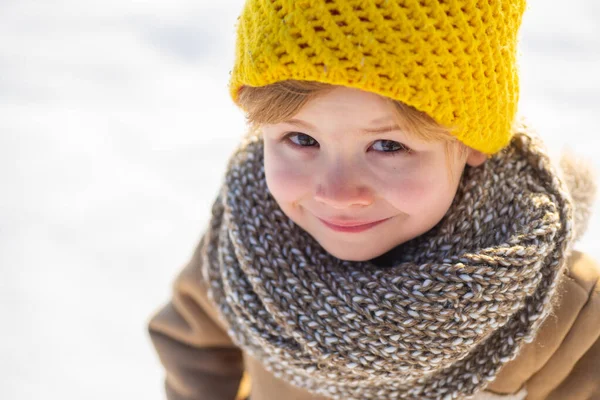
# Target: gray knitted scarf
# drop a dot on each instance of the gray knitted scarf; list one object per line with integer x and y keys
{"x": 437, "y": 322}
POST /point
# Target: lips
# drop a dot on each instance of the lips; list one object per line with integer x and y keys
{"x": 350, "y": 225}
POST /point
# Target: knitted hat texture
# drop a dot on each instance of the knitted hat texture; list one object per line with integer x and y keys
{"x": 454, "y": 60}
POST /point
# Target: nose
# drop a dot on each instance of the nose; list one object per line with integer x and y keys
{"x": 340, "y": 188}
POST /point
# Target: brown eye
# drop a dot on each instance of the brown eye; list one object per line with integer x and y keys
{"x": 301, "y": 139}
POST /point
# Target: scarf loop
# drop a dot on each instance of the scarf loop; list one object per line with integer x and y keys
{"x": 439, "y": 322}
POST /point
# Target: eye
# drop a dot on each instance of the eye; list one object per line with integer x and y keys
{"x": 301, "y": 139}
{"x": 390, "y": 146}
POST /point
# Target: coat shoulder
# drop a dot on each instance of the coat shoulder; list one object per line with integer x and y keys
{"x": 568, "y": 338}
{"x": 585, "y": 271}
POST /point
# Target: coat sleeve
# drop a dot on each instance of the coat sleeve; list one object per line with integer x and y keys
{"x": 200, "y": 360}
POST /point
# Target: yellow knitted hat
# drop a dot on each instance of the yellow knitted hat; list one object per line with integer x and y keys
{"x": 454, "y": 60}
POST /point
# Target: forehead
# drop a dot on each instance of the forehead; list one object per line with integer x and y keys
{"x": 348, "y": 105}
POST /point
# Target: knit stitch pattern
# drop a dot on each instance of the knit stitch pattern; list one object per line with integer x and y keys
{"x": 455, "y": 305}
{"x": 454, "y": 60}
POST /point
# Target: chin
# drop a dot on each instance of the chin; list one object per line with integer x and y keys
{"x": 348, "y": 254}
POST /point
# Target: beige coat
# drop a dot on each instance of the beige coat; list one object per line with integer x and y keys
{"x": 202, "y": 363}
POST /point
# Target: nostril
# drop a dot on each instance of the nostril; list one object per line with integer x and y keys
{"x": 343, "y": 197}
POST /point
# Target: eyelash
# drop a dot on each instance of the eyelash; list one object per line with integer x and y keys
{"x": 403, "y": 149}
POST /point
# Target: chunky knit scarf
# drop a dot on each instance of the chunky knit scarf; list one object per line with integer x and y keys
{"x": 454, "y": 306}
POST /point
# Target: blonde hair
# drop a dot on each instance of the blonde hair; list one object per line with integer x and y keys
{"x": 282, "y": 100}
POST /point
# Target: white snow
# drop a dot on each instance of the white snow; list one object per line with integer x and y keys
{"x": 115, "y": 128}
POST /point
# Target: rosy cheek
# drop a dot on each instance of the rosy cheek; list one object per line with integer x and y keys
{"x": 419, "y": 195}
{"x": 408, "y": 195}
{"x": 288, "y": 181}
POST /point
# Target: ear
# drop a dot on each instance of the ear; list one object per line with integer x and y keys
{"x": 476, "y": 158}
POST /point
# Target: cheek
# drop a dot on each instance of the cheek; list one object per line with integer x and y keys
{"x": 287, "y": 180}
{"x": 421, "y": 195}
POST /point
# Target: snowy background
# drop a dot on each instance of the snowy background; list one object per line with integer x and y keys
{"x": 115, "y": 125}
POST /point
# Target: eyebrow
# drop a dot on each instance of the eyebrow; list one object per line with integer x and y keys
{"x": 370, "y": 131}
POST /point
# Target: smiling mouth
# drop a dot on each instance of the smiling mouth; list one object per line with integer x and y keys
{"x": 351, "y": 226}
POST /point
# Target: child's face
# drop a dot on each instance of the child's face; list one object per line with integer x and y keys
{"x": 328, "y": 169}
